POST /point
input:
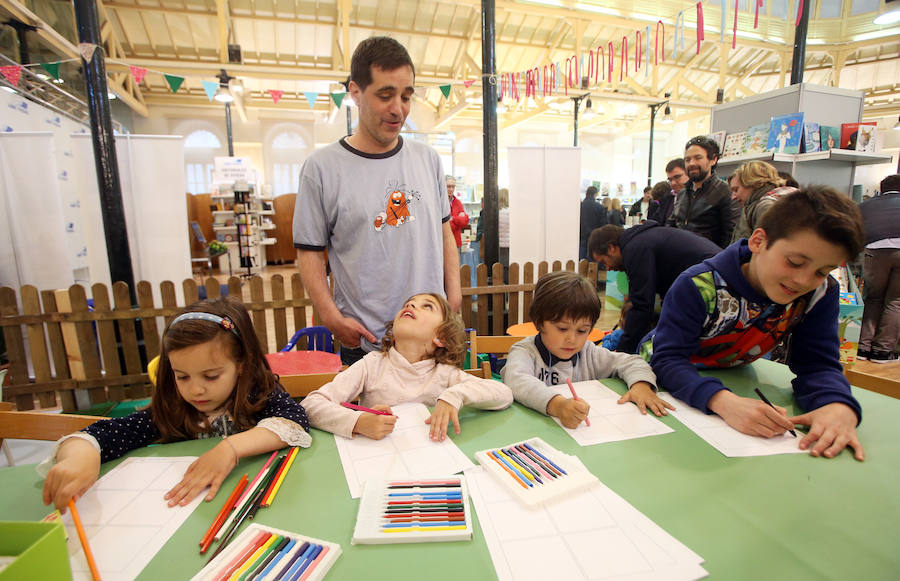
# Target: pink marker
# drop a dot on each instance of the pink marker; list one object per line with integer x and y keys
{"x": 587, "y": 422}
{"x": 360, "y": 408}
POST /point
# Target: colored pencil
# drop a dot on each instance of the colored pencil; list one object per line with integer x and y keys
{"x": 517, "y": 479}
{"x": 426, "y": 484}
{"x": 359, "y": 408}
{"x": 257, "y": 477}
{"x": 271, "y": 498}
{"x": 280, "y": 465}
{"x": 525, "y": 456}
{"x": 257, "y": 500}
{"x": 587, "y": 422}
{"x": 523, "y": 467}
{"x": 497, "y": 455}
{"x": 223, "y": 514}
{"x": 548, "y": 460}
{"x": 243, "y": 502}
{"x": 82, "y": 536}
{"x": 238, "y": 521}
{"x": 544, "y": 466}
{"x": 315, "y": 563}
{"x": 767, "y": 402}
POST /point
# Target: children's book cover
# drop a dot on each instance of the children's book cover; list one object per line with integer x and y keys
{"x": 734, "y": 144}
{"x": 756, "y": 139}
{"x": 719, "y": 138}
{"x": 785, "y": 133}
{"x": 829, "y": 137}
{"x": 858, "y": 136}
{"x": 810, "y": 137}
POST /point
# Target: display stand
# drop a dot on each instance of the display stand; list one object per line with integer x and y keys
{"x": 819, "y": 104}
{"x": 241, "y": 222}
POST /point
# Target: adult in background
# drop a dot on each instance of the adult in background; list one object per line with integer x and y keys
{"x": 459, "y": 220}
{"x": 881, "y": 274}
{"x": 755, "y": 185}
{"x": 378, "y": 204}
{"x": 593, "y": 215}
{"x": 652, "y": 257}
{"x": 676, "y": 175}
{"x": 706, "y": 206}
{"x": 616, "y": 215}
{"x": 503, "y": 231}
{"x": 640, "y": 210}
{"x": 663, "y": 202}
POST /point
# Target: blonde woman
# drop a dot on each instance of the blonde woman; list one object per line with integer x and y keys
{"x": 755, "y": 185}
{"x": 616, "y": 215}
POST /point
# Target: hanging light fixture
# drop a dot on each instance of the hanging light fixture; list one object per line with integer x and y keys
{"x": 667, "y": 118}
{"x": 223, "y": 95}
{"x": 589, "y": 112}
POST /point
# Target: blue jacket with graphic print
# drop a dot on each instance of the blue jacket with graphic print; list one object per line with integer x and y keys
{"x": 712, "y": 317}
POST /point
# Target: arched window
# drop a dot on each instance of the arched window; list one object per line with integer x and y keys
{"x": 200, "y": 147}
{"x": 288, "y": 151}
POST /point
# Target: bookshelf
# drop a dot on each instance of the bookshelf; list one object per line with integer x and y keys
{"x": 819, "y": 104}
{"x": 242, "y": 223}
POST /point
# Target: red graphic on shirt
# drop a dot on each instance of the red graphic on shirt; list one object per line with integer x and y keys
{"x": 397, "y": 211}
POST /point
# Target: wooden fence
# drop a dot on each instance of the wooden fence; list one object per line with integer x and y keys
{"x": 56, "y": 343}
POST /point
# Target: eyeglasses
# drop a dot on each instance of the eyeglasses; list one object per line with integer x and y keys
{"x": 675, "y": 178}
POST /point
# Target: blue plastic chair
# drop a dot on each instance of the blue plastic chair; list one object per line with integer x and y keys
{"x": 318, "y": 339}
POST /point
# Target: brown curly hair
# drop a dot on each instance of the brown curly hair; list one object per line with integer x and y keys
{"x": 450, "y": 332}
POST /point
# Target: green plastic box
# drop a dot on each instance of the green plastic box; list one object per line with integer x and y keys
{"x": 40, "y": 549}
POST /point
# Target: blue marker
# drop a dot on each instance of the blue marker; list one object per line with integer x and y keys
{"x": 513, "y": 468}
{"x": 297, "y": 554}
{"x": 303, "y": 563}
{"x": 527, "y": 445}
{"x": 286, "y": 550}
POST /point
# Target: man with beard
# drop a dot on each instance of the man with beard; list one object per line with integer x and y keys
{"x": 705, "y": 206}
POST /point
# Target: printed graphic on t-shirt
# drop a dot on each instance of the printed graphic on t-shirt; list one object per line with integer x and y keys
{"x": 397, "y": 207}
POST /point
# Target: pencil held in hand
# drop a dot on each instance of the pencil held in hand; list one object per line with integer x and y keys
{"x": 587, "y": 422}
{"x": 768, "y": 403}
{"x": 82, "y": 536}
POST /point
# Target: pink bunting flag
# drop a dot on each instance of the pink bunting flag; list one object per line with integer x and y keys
{"x": 469, "y": 83}
{"x": 12, "y": 73}
{"x": 276, "y": 95}
{"x": 138, "y": 73}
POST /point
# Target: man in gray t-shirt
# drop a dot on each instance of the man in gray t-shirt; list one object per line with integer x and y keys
{"x": 379, "y": 205}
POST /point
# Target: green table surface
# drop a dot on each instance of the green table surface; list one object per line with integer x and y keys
{"x": 772, "y": 517}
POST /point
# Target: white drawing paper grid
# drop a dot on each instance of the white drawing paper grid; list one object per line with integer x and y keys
{"x": 610, "y": 421}
{"x": 726, "y": 439}
{"x": 591, "y": 535}
{"x": 126, "y": 519}
{"x": 406, "y": 453}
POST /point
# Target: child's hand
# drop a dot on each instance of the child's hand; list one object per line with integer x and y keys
{"x": 375, "y": 426}
{"x": 442, "y": 415}
{"x": 210, "y": 469}
{"x": 751, "y": 416}
{"x": 571, "y": 412}
{"x": 642, "y": 394}
{"x": 832, "y": 428}
{"x": 76, "y": 471}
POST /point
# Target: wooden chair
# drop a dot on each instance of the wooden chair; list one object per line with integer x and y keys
{"x": 493, "y": 345}
{"x": 39, "y": 426}
{"x": 302, "y": 385}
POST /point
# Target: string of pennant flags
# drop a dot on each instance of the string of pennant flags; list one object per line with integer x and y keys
{"x": 546, "y": 80}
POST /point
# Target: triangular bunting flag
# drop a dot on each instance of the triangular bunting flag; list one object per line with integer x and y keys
{"x": 468, "y": 83}
{"x": 12, "y": 72}
{"x": 174, "y": 82}
{"x": 52, "y": 68}
{"x": 87, "y": 50}
{"x": 445, "y": 89}
{"x": 210, "y": 87}
{"x": 138, "y": 73}
{"x": 311, "y": 97}
{"x": 276, "y": 95}
{"x": 338, "y": 98}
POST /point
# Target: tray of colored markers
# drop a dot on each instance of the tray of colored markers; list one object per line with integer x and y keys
{"x": 419, "y": 511}
{"x": 534, "y": 471}
{"x": 264, "y": 553}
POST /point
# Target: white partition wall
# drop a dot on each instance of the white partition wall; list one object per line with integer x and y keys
{"x": 151, "y": 171}
{"x": 32, "y": 244}
{"x": 544, "y": 203}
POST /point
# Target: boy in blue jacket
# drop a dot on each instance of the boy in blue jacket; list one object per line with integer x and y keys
{"x": 733, "y": 308}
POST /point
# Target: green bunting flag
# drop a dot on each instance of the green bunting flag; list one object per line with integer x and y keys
{"x": 174, "y": 82}
{"x": 338, "y": 98}
{"x": 52, "y": 68}
{"x": 445, "y": 89}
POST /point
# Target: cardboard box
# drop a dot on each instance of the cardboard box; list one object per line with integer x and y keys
{"x": 39, "y": 548}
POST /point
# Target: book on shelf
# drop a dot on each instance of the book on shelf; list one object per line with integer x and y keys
{"x": 785, "y": 133}
{"x": 858, "y": 136}
{"x": 756, "y": 139}
{"x": 810, "y": 137}
{"x": 734, "y": 144}
{"x": 829, "y": 137}
{"x": 719, "y": 138}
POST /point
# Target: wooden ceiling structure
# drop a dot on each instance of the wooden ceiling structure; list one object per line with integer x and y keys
{"x": 298, "y": 46}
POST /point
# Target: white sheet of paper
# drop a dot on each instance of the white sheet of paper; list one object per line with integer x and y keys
{"x": 126, "y": 519}
{"x": 406, "y": 453}
{"x": 726, "y": 439}
{"x": 610, "y": 422}
{"x": 592, "y": 534}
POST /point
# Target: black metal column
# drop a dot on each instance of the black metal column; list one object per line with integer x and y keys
{"x": 21, "y": 34}
{"x": 490, "y": 241}
{"x": 111, "y": 205}
{"x": 577, "y": 106}
{"x": 797, "y": 63}
{"x": 228, "y": 132}
{"x": 650, "y": 147}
